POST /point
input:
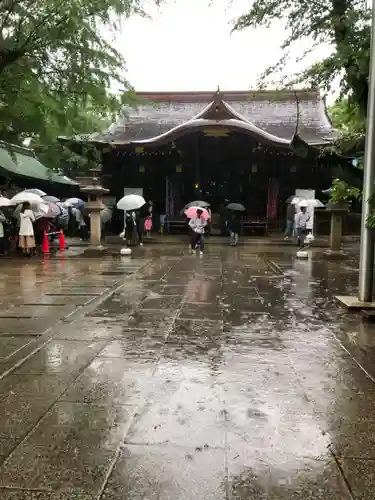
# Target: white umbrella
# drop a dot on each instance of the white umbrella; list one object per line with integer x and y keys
{"x": 131, "y": 202}
{"x": 311, "y": 202}
{"x": 40, "y": 210}
{"x": 39, "y": 192}
{"x": 297, "y": 199}
{"x": 4, "y": 202}
{"x": 24, "y": 196}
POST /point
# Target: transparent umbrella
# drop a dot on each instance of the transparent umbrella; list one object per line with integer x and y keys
{"x": 40, "y": 210}
{"x": 50, "y": 199}
{"x": 312, "y": 202}
{"x": 4, "y": 202}
{"x": 39, "y": 192}
{"x": 105, "y": 215}
{"x": 131, "y": 202}
{"x": 74, "y": 202}
{"x": 24, "y": 196}
{"x": 197, "y": 203}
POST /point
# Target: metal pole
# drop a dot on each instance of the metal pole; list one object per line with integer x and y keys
{"x": 366, "y": 263}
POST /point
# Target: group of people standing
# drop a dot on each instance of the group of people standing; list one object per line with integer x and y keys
{"x": 26, "y": 232}
{"x": 137, "y": 224}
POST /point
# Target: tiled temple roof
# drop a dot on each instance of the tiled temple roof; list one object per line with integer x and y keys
{"x": 271, "y": 114}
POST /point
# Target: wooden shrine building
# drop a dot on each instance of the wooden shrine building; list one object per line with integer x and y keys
{"x": 254, "y": 147}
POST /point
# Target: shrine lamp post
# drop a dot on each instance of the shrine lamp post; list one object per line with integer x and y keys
{"x": 95, "y": 205}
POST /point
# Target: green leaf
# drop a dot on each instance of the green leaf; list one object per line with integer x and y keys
{"x": 56, "y": 69}
{"x": 342, "y": 25}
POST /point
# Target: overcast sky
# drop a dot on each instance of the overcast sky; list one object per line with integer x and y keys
{"x": 188, "y": 45}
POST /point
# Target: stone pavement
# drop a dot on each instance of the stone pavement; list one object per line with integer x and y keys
{"x": 169, "y": 377}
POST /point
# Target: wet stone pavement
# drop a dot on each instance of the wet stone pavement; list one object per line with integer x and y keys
{"x": 168, "y": 377}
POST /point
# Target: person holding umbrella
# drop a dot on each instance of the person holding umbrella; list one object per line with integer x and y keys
{"x": 197, "y": 225}
{"x": 26, "y": 233}
{"x": 131, "y": 204}
{"x": 140, "y": 226}
{"x": 3, "y": 247}
{"x": 301, "y": 221}
{"x": 233, "y": 221}
{"x": 290, "y": 215}
{"x": 234, "y": 227}
{"x": 81, "y": 224}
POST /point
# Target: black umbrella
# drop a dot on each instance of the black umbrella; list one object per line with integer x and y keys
{"x": 236, "y": 207}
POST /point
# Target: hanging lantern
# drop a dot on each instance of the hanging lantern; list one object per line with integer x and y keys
{"x": 178, "y": 169}
{"x": 142, "y": 169}
{"x": 254, "y": 168}
{"x": 139, "y": 149}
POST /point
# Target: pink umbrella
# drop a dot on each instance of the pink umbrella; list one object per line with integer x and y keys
{"x": 191, "y": 213}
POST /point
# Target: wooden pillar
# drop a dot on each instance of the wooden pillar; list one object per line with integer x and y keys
{"x": 197, "y": 163}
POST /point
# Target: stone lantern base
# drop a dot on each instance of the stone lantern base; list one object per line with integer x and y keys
{"x": 338, "y": 211}
{"x": 95, "y": 205}
{"x": 98, "y": 251}
{"x": 335, "y": 255}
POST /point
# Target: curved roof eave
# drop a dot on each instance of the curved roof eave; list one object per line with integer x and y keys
{"x": 197, "y": 124}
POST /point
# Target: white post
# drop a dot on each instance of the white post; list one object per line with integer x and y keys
{"x": 366, "y": 263}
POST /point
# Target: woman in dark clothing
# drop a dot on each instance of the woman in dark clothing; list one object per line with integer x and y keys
{"x": 129, "y": 228}
{"x": 72, "y": 224}
{"x": 234, "y": 227}
{"x": 140, "y": 224}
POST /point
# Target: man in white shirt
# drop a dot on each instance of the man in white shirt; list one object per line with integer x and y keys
{"x": 301, "y": 220}
{"x": 197, "y": 225}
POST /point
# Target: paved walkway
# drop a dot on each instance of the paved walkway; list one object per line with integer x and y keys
{"x": 169, "y": 377}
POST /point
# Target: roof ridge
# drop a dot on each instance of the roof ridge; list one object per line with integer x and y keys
{"x": 231, "y": 95}
{"x": 17, "y": 149}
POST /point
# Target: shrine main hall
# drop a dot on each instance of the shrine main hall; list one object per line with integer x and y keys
{"x": 253, "y": 147}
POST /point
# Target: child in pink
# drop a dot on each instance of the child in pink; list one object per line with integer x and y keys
{"x": 148, "y": 226}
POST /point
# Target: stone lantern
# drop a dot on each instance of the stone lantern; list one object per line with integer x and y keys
{"x": 338, "y": 212}
{"x": 95, "y": 205}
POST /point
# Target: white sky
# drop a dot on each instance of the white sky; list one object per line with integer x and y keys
{"x": 187, "y": 45}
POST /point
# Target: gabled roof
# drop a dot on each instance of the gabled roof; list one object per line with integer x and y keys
{"x": 271, "y": 116}
{"x": 22, "y": 161}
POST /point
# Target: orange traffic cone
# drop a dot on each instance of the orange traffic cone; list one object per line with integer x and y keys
{"x": 61, "y": 240}
{"x": 45, "y": 243}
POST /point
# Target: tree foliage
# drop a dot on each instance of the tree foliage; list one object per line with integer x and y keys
{"x": 57, "y": 62}
{"x": 57, "y": 157}
{"x": 347, "y": 119}
{"x": 343, "y": 24}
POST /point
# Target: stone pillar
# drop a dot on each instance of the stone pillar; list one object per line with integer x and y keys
{"x": 95, "y": 229}
{"x": 335, "y": 236}
{"x": 338, "y": 211}
{"x": 95, "y": 206}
